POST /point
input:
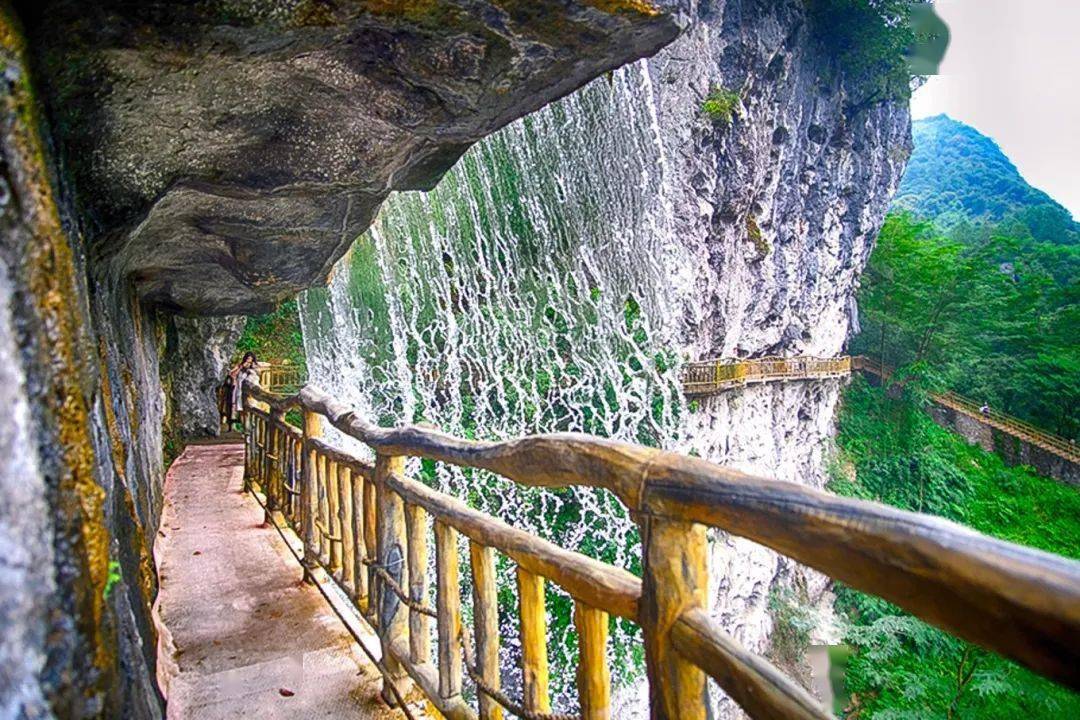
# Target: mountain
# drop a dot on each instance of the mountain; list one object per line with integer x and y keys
{"x": 956, "y": 175}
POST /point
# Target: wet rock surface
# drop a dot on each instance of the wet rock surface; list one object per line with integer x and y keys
{"x": 779, "y": 206}
{"x": 203, "y": 349}
{"x": 227, "y": 153}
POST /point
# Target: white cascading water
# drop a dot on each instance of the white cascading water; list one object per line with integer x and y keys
{"x": 536, "y": 289}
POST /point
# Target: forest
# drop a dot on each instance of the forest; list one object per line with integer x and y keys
{"x": 989, "y": 311}
{"x": 979, "y": 311}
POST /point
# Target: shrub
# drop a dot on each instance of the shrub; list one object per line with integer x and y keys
{"x": 720, "y": 104}
{"x": 869, "y": 40}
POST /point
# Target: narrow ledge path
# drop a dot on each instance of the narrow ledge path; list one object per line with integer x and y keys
{"x": 241, "y": 634}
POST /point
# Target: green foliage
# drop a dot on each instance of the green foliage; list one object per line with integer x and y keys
{"x": 959, "y": 178}
{"x": 275, "y": 336}
{"x": 869, "y": 41}
{"x": 753, "y": 233}
{"x": 994, "y": 318}
{"x": 720, "y": 105}
{"x": 112, "y": 578}
{"x": 902, "y": 667}
{"x": 793, "y": 621}
{"x": 171, "y": 447}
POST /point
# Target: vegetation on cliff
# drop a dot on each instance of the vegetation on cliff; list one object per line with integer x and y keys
{"x": 989, "y": 315}
{"x": 891, "y": 451}
{"x": 276, "y": 336}
{"x": 877, "y": 46}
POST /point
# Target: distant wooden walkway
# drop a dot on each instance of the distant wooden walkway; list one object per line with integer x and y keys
{"x": 710, "y": 377}
{"x": 1008, "y": 424}
{"x": 242, "y": 635}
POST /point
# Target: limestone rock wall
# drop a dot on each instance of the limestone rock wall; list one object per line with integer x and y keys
{"x": 779, "y": 206}
{"x": 198, "y": 364}
{"x": 77, "y": 556}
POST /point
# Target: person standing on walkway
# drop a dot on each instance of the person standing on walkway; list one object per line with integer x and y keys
{"x": 243, "y": 372}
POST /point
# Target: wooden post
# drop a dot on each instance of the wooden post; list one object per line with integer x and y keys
{"x": 371, "y": 529}
{"x": 249, "y": 443}
{"x": 264, "y": 450}
{"x": 333, "y": 519}
{"x": 277, "y": 467}
{"x": 416, "y": 530}
{"x": 256, "y": 449}
{"x": 324, "y": 509}
{"x": 593, "y": 676}
{"x": 675, "y": 579}
{"x": 360, "y": 571}
{"x": 296, "y": 513}
{"x": 309, "y": 501}
{"x": 345, "y": 525}
{"x": 448, "y": 606}
{"x": 486, "y": 625}
{"x": 534, "y": 659}
{"x": 392, "y": 620}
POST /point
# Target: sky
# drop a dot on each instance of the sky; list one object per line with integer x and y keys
{"x": 1012, "y": 71}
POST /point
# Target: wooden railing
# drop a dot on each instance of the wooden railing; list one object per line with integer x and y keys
{"x": 365, "y": 525}
{"x": 1006, "y": 423}
{"x": 282, "y": 378}
{"x": 712, "y": 376}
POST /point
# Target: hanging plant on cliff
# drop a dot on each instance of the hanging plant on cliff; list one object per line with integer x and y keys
{"x": 877, "y": 44}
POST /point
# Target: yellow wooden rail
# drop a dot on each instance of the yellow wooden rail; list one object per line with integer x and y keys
{"x": 1006, "y": 423}
{"x": 712, "y": 376}
{"x": 366, "y": 526}
{"x": 282, "y": 378}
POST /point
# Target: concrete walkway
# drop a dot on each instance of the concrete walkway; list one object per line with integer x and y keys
{"x": 241, "y": 635}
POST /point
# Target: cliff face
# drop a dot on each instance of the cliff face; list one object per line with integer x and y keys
{"x": 210, "y": 158}
{"x": 779, "y": 207}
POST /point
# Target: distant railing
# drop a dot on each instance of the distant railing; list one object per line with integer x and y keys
{"x": 281, "y": 378}
{"x": 712, "y": 376}
{"x": 1006, "y": 423}
{"x": 366, "y": 526}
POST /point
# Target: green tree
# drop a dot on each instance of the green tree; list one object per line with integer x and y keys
{"x": 990, "y": 316}
{"x": 891, "y": 451}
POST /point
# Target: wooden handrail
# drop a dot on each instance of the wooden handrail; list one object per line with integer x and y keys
{"x": 709, "y": 377}
{"x": 1020, "y": 602}
{"x": 596, "y": 583}
{"x": 995, "y": 418}
{"x": 280, "y": 377}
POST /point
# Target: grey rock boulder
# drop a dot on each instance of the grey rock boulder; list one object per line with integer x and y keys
{"x": 226, "y": 153}
{"x": 203, "y": 350}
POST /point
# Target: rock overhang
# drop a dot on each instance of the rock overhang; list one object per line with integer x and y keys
{"x": 225, "y": 154}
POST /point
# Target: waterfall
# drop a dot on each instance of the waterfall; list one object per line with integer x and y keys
{"x": 535, "y": 289}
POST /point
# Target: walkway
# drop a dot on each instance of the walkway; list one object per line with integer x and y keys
{"x": 1008, "y": 424}
{"x": 242, "y": 636}
{"x": 710, "y": 377}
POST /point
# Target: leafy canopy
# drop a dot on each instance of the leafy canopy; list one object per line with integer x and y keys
{"x": 990, "y": 316}
{"x": 891, "y": 451}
